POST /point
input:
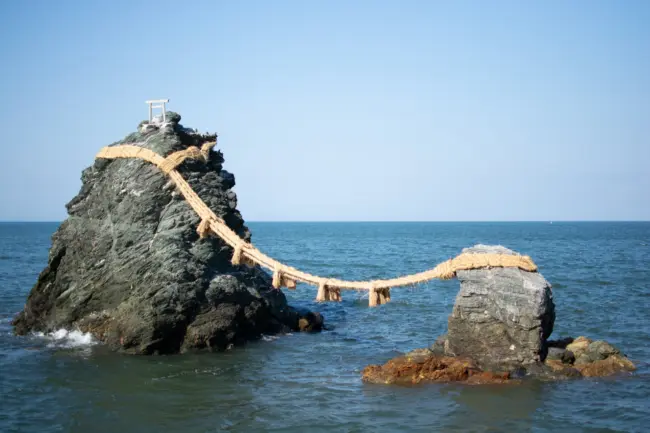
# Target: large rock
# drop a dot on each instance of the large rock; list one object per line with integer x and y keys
{"x": 502, "y": 316}
{"x": 128, "y": 264}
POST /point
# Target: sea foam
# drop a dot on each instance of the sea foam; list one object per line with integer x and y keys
{"x": 68, "y": 339}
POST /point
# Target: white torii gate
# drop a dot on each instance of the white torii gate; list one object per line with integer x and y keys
{"x": 160, "y": 104}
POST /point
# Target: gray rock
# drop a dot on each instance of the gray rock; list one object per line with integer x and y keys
{"x": 419, "y": 355}
{"x": 545, "y": 373}
{"x": 561, "y": 343}
{"x": 568, "y": 357}
{"x": 128, "y": 266}
{"x": 555, "y": 353}
{"x": 438, "y": 348}
{"x": 172, "y": 117}
{"x": 600, "y": 349}
{"x": 583, "y": 359}
{"x": 502, "y": 316}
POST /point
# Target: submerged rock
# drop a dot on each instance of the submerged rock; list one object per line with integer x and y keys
{"x": 502, "y": 316}
{"x": 128, "y": 266}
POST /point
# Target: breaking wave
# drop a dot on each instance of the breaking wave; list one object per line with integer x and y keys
{"x": 63, "y": 338}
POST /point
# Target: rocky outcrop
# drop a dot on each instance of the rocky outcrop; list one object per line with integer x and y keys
{"x": 586, "y": 357}
{"x": 502, "y": 316}
{"x": 423, "y": 366}
{"x": 129, "y": 266}
{"x": 498, "y": 330}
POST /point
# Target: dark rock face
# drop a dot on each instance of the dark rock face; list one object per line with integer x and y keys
{"x": 128, "y": 266}
{"x": 502, "y": 316}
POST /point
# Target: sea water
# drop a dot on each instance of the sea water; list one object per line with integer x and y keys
{"x": 66, "y": 382}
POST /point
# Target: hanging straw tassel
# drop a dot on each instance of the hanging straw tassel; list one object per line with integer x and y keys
{"x": 372, "y": 295}
{"x": 237, "y": 255}
{"x": 247, "y": 261}
{"x": 334, "y": 294}
{"x": 289, "y": 283}
{"x": 277, "y": 278}
{"x": 204, "y": 228}
{"x": 322, "y": 292}
{"x": 384, "y": 296}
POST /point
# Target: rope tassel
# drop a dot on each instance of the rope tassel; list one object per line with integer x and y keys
{"x": 204, "y": 228}
{"x": 322, "y": 292}
{"x": 237, "y": 255}
{"x": 289, "y": 283}
{"x": 277, "y": 278}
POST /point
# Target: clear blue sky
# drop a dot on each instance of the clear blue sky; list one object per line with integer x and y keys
{"x": 343, "y": 110}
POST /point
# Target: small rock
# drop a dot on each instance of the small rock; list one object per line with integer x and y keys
{"x": 172, "y": 117}
{"x": 310, "y": 322}
{"x": 562, "y": 343}
{"x": 562, "y": 355}
{"x": 419, "y": 355}
{"x": 598, "y": 350}
{"x": 579, "y": 346}
{"x": 583, "y": 360}
{"x": 555, "y": 353}
{"x": 568, "y": 357}
{"x": 438, "y": 348}
{"x": 606, "y": 367}
{"x": 559, "y": 370}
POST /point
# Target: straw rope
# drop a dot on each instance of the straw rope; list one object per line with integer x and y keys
{"x": 287, "y": 276}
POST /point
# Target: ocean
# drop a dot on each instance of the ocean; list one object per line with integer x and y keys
{"x": 600, "y": 273}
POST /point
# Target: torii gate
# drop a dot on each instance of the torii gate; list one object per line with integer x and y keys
{"x": 161, "y": 104}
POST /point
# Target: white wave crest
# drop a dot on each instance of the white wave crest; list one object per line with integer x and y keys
{"x": 68, "y": 339}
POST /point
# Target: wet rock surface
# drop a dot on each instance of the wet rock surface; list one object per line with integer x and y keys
{"x": 128, "y": 266}
{"x": 423, "y": 366}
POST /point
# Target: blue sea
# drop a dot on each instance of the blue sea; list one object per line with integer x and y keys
{"x": 600, "y": 274}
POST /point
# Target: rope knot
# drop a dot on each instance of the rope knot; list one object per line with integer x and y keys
{"x": 175, "y": 159}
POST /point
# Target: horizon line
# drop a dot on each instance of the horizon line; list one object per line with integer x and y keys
{"x": 396, "y": 221}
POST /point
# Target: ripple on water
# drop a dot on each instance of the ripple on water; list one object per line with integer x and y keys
{"x": 310, "y": 382}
